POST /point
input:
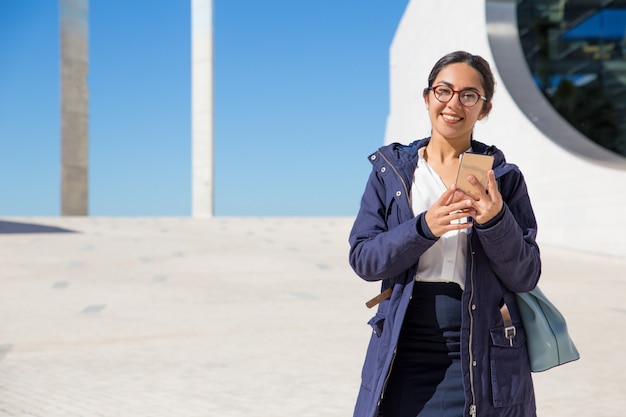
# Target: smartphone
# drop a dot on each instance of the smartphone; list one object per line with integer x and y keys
{"x": 473, "y": 164}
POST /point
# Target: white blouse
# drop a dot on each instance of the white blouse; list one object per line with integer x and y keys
{"x": 445, "y": 260}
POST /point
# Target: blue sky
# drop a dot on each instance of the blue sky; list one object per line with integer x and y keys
{"x": 301, "y": 98}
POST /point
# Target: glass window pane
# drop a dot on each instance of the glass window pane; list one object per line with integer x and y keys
{"x": 576, "y": 51}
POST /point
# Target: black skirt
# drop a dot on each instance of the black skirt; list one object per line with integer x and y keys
{"x": 426, "y": 378}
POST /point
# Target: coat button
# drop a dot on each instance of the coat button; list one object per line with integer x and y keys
{"x": 383, "y": 169}
{"x": 398, "y": 193}
{"x": 373, "y": 157}
{"x": 473, "y": 306}
{"x": 474, "y": 363}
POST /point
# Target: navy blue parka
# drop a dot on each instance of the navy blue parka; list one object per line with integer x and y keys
{"x": 386, "y": 242}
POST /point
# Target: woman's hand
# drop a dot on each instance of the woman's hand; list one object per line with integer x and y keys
{"x": 446, "y": 214}
{"x": 489, "y": 202}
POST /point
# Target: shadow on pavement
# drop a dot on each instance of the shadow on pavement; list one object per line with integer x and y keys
{"x": 15, "y": 227}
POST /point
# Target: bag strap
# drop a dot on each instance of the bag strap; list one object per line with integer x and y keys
{"x": 509, "y": 330}
{"x": 379, "y": 298}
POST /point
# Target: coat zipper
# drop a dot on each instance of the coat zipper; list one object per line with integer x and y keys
{"x": 393, "y": 359}
{"x": 472, "y": 408}
{"x": 406, "y": 190}
{"x": 395, "y": 349}
{"x": 382, "y": 392}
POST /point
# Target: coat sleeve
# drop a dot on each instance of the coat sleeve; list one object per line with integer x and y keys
{"x": 510, "y": 244}
{"x": 381, "y": 244}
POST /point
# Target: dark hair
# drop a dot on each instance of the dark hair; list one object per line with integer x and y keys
{"x": 475, "y": 61}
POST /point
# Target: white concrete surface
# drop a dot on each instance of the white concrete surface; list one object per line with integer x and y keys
{"x": 236, "y": 317}
{"x": 576, "y": 201}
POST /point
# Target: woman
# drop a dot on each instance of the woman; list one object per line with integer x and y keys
{"x": 448, "y": 263}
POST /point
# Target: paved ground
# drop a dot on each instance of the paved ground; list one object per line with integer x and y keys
{"x": 233, "y": 317}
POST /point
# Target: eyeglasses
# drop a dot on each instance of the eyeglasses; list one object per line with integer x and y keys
{"x": 467, "y": 97}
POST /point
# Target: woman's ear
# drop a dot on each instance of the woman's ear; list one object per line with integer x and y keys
{"x": 426, "y": 101}
{"x": 485, "y": 112}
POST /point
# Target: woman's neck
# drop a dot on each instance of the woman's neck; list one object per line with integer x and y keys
{"x": 442, "y": 150}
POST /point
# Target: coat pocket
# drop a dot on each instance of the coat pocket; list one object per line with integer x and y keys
{"x": 511, "y": 382}
{"x": 377, "y": 322}
{"x": 371, "y": 367}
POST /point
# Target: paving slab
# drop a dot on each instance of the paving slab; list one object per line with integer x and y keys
{"x": 236, "y": 317}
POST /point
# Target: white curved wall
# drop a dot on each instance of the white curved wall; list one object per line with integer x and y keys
{"x": 578, "y": 203}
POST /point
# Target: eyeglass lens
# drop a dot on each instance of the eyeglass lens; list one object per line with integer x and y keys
{"x": 444, "y": 94}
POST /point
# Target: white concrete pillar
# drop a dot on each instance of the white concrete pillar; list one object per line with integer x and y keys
{"x": 202, "y": 107}
{"x": 74, "y": 107}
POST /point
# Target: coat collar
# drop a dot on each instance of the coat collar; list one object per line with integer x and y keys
{"x": 405, "y": 157}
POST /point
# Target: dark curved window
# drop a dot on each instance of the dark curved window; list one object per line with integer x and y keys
{"x": 576, "y": 51}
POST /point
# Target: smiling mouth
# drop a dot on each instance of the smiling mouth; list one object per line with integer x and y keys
{"x": 451, "y": 118}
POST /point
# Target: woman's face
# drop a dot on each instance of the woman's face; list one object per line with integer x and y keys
{"x": 452, "y": 120}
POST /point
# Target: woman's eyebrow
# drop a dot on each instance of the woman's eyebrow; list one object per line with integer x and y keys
{"x": 452, "y": 86}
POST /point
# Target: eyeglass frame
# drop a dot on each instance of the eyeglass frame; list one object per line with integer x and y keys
{"x": 457, "y": 92}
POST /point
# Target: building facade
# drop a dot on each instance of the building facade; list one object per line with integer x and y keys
{"x": 558, "y": 110}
